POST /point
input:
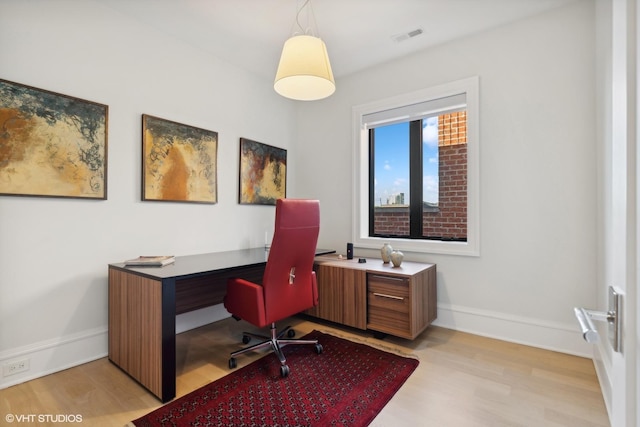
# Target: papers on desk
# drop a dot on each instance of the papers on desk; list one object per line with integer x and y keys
{"x": 150, "y": 261}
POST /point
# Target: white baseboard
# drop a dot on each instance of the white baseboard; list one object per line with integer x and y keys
{"x": 55, "y": 355}
{"x": 204, "y": 316}
{"x": 555, "y": 336}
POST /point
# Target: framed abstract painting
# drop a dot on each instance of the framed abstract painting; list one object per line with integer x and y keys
{"x": 263, "y": 173}
{"x": 179, "y": 162}
{"x": 51, "y": 145}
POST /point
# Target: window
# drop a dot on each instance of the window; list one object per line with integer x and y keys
{"x": 416, "y": 171}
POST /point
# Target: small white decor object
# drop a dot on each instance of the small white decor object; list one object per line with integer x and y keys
{"x": 385, "y": 252}
{"x": 396, "y": 258}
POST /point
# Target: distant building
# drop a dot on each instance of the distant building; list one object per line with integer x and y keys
{"x": 397, "y": 199}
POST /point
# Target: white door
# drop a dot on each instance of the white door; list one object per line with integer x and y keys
{"x": 619, "y": 376}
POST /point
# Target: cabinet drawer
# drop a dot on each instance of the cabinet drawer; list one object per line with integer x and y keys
{"x": 388, "y": 292}
{"x": 388, "y": 304}
{"x": 390, "y": 321}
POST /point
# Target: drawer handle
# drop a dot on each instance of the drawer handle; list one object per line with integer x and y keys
{"x": 388, "y": 296}
{"x": 388, "y": 278}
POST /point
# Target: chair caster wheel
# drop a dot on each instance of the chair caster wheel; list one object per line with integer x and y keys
{"x": 284, "y": 371}
{"x": 319, "y": 348}
{"x": 232, "y": 363}
{"x": 246, "y": 339}
{"x": 291, "y": 333}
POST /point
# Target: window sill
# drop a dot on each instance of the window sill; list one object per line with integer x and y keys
{"x": 419, "y": 246}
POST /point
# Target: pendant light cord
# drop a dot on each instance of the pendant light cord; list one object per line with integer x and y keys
{"x": 313, "y": 19}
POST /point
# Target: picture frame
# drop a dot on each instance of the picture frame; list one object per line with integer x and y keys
{"x": 263, "y": 173}
{"x": 179, "y": 162}
{"x": 51, "y": 144}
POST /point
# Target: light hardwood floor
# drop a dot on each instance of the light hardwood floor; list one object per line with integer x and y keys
{"x": 462, "y": 380}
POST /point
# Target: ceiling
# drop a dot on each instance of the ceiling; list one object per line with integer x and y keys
{"x": 358, "y": 33}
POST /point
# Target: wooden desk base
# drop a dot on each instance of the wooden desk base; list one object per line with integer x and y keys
{"x": 135, "y": 330}
{"x": 142, "y": 319}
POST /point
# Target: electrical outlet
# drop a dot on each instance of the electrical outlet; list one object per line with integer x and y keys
{"x": 15, "y": 367}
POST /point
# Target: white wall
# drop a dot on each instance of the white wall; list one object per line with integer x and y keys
{"x": 538, "y": 199}
{"x": 54, "y": 252}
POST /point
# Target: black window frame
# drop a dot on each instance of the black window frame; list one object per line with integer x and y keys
{"x": 415, "y": 183}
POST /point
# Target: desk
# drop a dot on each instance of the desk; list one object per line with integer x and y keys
{"x": 144, "y": 302}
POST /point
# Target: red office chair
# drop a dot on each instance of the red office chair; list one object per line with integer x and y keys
{"x": 289, "y": 282}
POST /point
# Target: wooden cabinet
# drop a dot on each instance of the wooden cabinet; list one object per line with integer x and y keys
{"x": 389, "y": 304}
{"x": 402, "y": 305}
{"x": 342, "y": 296}
{"x": 399, "y": 301}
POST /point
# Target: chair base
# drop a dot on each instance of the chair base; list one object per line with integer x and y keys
{"x": 276, "y": 342}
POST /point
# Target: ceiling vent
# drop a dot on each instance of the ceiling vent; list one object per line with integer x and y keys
{"x": 406, "y": 36}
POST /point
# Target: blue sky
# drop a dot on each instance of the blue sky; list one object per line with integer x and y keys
{"x": 392, "y": 161}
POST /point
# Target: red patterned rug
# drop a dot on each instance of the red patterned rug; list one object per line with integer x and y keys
{"x": 347, "y": 385}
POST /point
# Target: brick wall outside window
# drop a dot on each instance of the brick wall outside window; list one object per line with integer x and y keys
{"x": 449, "y": 219}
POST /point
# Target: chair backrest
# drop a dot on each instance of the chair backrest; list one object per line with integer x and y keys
{"x": 289, "y": 281}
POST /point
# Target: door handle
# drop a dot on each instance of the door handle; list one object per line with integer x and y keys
{"x": 612, "y": 317}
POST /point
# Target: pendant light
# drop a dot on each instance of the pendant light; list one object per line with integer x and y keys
{"x": 304, "y": 72}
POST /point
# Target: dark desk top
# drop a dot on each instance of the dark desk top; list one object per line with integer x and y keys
{"x": 203, "y": 263}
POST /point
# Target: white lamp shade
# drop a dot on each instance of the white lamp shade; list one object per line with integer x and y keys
{"x": 304, "y": 72}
